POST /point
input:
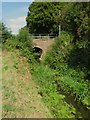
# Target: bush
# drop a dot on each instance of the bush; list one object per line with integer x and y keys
{"x": 24, "y": 38}
{"x": 71, "y": 70}
{"x": 58, "y": 54}
{"x": 23, "y": 42}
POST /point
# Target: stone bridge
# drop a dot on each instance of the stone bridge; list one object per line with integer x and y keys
{"x": 42, "y": 45}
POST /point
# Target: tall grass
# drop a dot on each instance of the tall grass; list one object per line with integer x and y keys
{"x": 45, "y": 78}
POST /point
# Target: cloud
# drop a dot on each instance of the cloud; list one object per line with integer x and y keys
{"x": 17, "y": 23}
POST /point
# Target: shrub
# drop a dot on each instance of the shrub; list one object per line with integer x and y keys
{"x": 58, "y": 54}
{"x": 24, "y": 38}
{"x": 71, "y": 70}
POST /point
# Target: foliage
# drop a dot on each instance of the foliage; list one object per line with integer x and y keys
{"x": 71, "y": 79}
{"x": 75, "y": 18}
{"x": 23, "y": 42}
{"x": 45, "y": 78}
{"x": 58, "y": 55}
{"x": 4, "y": 32}
{"x": 45, "y": 17}
{"x": 72, "y": 82}
{"x": 67, "y": 64}
{"x": 42, "y": 17}
{"x": 11, "y": 43}
{"x": 24, "y": 38}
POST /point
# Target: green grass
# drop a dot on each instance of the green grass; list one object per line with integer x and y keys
{"x": 79, "y": 89}
{"x": 45, "y": 78}
{"x": 71, "y": 76}
{"x": 51, "y": 83}
{"x": 51, "y": 77}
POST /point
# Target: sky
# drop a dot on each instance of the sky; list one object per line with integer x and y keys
{"x": 0, "y": 10}
{"x": 13, "y": 14}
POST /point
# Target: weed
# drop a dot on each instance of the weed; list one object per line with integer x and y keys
{"x": 44, "y": 77}
{"x": 8, "y": 107}
{"x": 5, "y": 68}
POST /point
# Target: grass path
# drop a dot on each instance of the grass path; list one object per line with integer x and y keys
{"x": 20, "y": 93}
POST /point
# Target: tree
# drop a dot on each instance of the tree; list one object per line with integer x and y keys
{"x": 75, "y": 19}
{"x": 4, "y": 32}
{"x": 41, "y": 17}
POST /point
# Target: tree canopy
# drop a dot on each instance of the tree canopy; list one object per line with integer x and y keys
{"x": 4, "y": 32}
{"x": 75, "y": 19}
{"x": 42, "y": 17}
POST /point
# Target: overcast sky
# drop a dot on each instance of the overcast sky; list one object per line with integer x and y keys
{"x": 14, "y": 14}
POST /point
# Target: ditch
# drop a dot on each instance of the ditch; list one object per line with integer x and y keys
{"x": 81, "y": 110}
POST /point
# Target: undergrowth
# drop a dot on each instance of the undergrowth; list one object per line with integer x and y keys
{"x": 71, "y": 75}
{"x": 45, "y": 78}
{"x": 56, "y": 73}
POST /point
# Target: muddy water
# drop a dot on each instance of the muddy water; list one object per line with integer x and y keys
{"x": 81, "y": 110}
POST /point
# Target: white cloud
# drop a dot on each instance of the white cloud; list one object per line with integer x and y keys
{"x": 17, "y": 23}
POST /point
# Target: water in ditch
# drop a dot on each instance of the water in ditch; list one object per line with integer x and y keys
{"x": 81, "y": 111}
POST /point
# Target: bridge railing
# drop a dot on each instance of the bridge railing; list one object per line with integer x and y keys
{"x": 43, "y": 36}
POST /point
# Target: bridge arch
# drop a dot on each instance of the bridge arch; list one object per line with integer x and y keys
{"x": 41, "y": 47}
{"x": 37, "y": 52}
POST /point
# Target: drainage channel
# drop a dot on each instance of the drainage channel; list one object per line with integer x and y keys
{"x": 81, "y": 110}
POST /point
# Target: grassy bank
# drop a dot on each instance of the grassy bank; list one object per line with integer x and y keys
{"x": 20, "y": 98}
{"x": 46, "y": 78}
{"x": 71, "y": 67}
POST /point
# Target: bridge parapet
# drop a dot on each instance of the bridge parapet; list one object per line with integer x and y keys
{"x": 43, "y": 36}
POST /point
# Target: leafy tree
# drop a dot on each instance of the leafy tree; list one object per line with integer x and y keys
{"x": 75, "y": 19}
{"x": 4, "y": 32}
{"x": 42, "y": 17}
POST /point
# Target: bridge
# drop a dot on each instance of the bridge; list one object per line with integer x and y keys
{"x": 42, "y": 44}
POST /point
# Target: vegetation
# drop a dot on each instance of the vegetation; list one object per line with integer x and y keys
{"x": 75, "y": 19}
{"x": 20, "y": 93}
{"x": 43, "y": 17}
{"x": 4, "y": 33}
{"x": 69, "y": 55}
{"x": 45, "y": 78}
{"x": 66, "y": 65}
{"x": 71, "y": 79}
